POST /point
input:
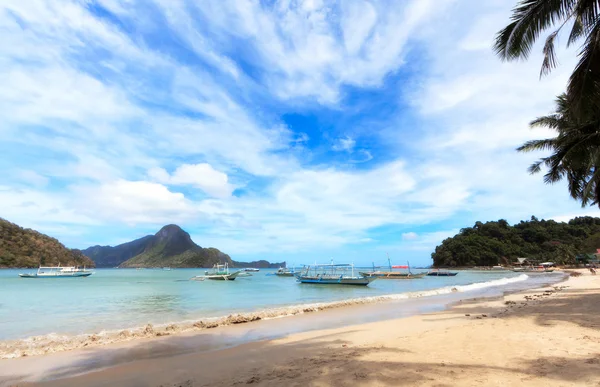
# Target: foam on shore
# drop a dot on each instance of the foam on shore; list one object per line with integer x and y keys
{"x": 50, "y": 343}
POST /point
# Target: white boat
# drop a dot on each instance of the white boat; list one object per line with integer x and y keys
{"x": 252, "y": 269}
{"x": 58, "y": 272}
{"x": 331, "y": 274}
{"x": 218, "y": 273}
{"x": 285, "y": 272}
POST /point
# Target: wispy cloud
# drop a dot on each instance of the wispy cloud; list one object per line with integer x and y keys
{"x": 344, "y": 144}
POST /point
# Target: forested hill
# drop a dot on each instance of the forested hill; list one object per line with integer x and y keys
{"x": 494, "y": 243}
{"x": 22, "y": 247}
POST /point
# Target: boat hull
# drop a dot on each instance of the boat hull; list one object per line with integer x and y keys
{"x": 285, "y": 274}
{"x": 392, "y": 275}
{"x": 434, "y": 274}
{"x": 220, "y": 277}
{"x": 364, "y": 281}
{"x": 55, "y": 276}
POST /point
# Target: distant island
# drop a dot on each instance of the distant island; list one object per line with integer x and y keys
{"x": 171, "y": 246}
{"x": 494, "y": 243}
{"x": 23, "y": 247}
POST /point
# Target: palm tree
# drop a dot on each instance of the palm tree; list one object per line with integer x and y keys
{"x": 575, "y": 151}
{"x": 531, "y": 17}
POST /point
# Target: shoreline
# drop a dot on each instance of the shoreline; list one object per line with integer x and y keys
{"x": 55, "y": 343}
{"x": 207, "y": 344}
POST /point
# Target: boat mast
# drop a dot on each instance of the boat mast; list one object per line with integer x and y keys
{"x": 389, "y": 262}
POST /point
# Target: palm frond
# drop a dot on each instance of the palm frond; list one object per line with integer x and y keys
{"x": 537, "y": 145}
{"x": 535, "y": 167}
{"x": 553, "y": 121}
{"x": 529, "y": 19}
{"x": 549, "y": 61}
{"x": 576, "y": 32}
{"x": 583, "y": 90}
{"x": 588, "y": 12}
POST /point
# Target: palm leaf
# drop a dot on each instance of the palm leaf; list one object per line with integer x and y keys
{"x": 537, "y": 145}
{"x": 549, "y": 61}
{"x": 529, "y": 19}
{"x": 576, "y": 32}
{"x": 584, "y": 84}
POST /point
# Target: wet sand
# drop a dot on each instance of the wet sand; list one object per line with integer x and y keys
{"x": 542, "y": 337}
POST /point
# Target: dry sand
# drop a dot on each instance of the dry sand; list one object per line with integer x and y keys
{"x": 544, "y": 337}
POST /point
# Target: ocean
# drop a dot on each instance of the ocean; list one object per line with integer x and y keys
{"x": 117, "y": 299}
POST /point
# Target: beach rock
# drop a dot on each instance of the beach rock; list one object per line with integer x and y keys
{"x": 148, "y": 330}
{"x": 240, "y": 319}
{"x": 254, "y": 379}
{"x": 124, "y": 334}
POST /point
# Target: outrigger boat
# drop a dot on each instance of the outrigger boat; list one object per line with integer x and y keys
{"x": 442, "y": 273}
{"x": 533, "y": 270}
{"x": 218, "y": 273}
{"x": 252, "y": 269}
{"x": 285, "y": 272}
{"x": 392, "y": 274}
{"x": 58, "y": 272}
{"x": 340, "y": 274}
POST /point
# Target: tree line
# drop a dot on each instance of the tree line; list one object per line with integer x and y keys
{"x": 497, "y": 242}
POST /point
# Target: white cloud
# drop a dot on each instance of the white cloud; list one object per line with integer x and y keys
{"x": 32, "y": 178}
{"x": 344, "y": 144}
{"x": 361, "y": 156}
{"x": 134, "y": 202}
{"x": 301, "y": 47}
{"x": 203, "y": 176}
{"x": 409, "y": 236}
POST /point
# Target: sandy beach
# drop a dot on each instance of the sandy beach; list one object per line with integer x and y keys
{"x": 541, "y": 337}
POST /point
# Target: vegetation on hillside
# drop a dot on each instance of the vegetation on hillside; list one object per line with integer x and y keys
{"x": 113, "y": 256}
{"x": 261, "y": 264}
{"x": 575, "y": 154}
{"x": 171, "y": 246}
{"x": 493, "y": 243}
{"x": 20, "y": 247}
{"x": 157, "y": 256}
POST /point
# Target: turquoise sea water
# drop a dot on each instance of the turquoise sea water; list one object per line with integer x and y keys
{"x": 126, "y": 298}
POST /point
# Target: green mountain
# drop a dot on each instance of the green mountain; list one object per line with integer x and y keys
{"x": 21, "y": 247}
{"x": 171, "y": 246}
{"x": 113, "y": 256}
{"x": 493, "y": 243}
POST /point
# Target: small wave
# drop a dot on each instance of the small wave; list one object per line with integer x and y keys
{"x": 53, "y": 342}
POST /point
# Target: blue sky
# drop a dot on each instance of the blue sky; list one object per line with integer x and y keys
{"x": 279, "y": 130}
